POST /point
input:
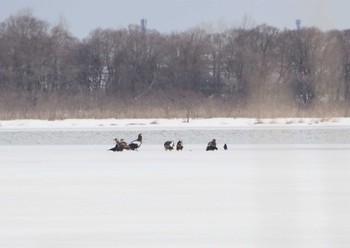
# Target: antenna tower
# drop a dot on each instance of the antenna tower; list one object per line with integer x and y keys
{"x": 143, "y": 24}
{"x": 298, "y": 23}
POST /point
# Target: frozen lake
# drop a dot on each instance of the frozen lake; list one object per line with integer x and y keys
{"x": 197, "y": 135}
{"x": 270, "y": 189}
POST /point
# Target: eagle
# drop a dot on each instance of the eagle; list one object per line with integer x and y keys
{"x": 179, "y": 145}
{"x": 123, "y": 145}
{"x": 169, "y": 145}
{"x": 118, "y": 146}
{"x": 212, "y": 145}
{"x": 135, "y": 144}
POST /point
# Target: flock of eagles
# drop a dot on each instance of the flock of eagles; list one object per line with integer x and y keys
{"x": 169, "y": 145}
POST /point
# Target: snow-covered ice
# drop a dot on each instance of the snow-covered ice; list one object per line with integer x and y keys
{"x": 172, "y": 123}
{"x": 252, "y": 195}
{"x": 156, "y": 131}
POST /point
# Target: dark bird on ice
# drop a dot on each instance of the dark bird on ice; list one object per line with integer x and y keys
{"x": 169, "y": 145}
{"x": 212, "y": 145}
{"x": 123, "y": 145}
{"x": 179, "y": 146}
{"x": 117, "y": 147}
{"x": 225, "y": 147}
{"x": 135, "y": 144}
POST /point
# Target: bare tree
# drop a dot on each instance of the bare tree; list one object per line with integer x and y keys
{"x": 143, "y": 58}
{"x": 262, "y": 41}
{"x": 300, "y": 57}
{"x": 215, "y": 84}
{"x": 343, "y": 93}
{"x": 253, "y": 69}
{"x": 62, "y": 74}
{"x": 25, "y": 39}
{"x": 237, "y": 66}
{"x": 187, "y": 60}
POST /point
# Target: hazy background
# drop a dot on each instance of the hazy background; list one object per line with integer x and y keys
{"x": 82, "y": 16}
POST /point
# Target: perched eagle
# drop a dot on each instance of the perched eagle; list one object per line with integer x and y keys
{"x": 118, "y": 147}
{"x": 169, "y": 145}
{"x": 135, "y": 144}
{"x": 212, "y": 145}
{"x": 179, "y": 146}
{"x": 123, "y": 145}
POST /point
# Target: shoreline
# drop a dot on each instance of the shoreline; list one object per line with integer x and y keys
{"x": 149, "y": 124}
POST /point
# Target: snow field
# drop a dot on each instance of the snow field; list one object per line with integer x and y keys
{"x": 249, "y": 196}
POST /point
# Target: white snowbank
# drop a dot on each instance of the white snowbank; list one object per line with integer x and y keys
{"x": 168, "y": 123}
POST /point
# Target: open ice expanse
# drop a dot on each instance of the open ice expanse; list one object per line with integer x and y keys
{"x": 256, "y": 194}
{"x": 172, "y": 123}
{"x": 196, "y": 131}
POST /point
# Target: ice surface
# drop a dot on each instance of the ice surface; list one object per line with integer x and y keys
{"x": 131, "y": 124}
{"x": 282, "y": 183}
{"x": 249, "y": 196}
{"x": 157, "y": 131}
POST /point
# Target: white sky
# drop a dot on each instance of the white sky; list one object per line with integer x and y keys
{"x": 84, "y": 16}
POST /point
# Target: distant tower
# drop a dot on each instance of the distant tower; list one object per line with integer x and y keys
{"x": 298, "y": 23}
{"x": 143, "y": 24}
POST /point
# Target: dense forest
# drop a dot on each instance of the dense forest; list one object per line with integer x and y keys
{"x": 258, "y": 71}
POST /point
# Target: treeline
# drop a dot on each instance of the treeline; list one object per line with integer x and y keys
{"x": 261, "y": 71}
